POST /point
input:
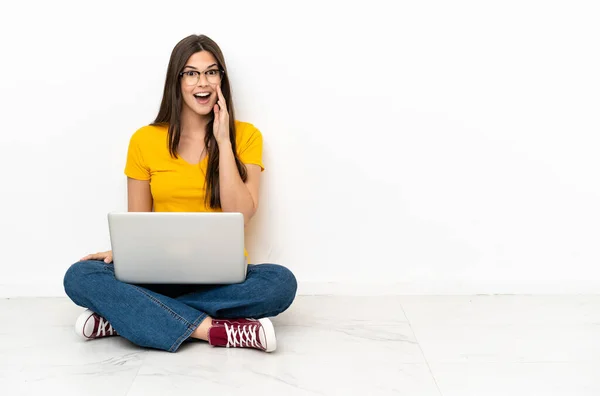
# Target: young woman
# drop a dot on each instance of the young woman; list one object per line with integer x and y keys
{"x": 195, "y": 157}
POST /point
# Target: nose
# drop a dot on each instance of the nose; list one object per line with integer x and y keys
{"x": 203, "y": 80}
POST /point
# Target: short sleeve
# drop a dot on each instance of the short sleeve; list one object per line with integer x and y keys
{"x": 136, "y": 167}
{"x": 251, "y": 146}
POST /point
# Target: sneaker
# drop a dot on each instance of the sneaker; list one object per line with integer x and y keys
{"x": 90, "y": 325}
{"x": 243, "y": 333}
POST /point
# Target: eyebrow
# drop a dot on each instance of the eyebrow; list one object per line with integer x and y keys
{"x": 192, "y": 67}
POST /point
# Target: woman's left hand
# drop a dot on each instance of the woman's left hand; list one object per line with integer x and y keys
{"x": 221, "y": 123}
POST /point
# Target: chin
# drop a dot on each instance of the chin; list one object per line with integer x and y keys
{"x": 204, "y": 110}
{"x": 199, "y": 109}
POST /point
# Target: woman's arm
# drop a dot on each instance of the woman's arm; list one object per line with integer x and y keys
{"x": 237, "y": 196}
{"x": 139, "y": 197}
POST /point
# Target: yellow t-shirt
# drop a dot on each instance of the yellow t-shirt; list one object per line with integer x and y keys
{"x": 175, "y": 184}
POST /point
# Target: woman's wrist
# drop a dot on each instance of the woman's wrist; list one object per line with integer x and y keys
{"x": 224, "y": 145}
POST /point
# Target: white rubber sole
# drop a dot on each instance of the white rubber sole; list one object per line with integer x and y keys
{"x": 81, "y": 322}
{"x": 271, "y": 340}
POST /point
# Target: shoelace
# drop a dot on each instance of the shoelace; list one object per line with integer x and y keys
{"x": 102, "y": 327}
{"x": 243, "y": 336}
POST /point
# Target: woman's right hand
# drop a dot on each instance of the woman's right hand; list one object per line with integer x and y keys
{"x": 107, "y": 256}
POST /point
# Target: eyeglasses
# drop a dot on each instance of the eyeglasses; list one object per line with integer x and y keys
{"x": 192, "y": 77}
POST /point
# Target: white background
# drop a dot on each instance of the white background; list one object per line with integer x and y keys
{"x": 421, "y": 147}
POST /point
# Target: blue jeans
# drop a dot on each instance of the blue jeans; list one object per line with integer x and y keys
{"x": 163, "y": 316}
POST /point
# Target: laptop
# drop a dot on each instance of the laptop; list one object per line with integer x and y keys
{"x": 178, "y": 247}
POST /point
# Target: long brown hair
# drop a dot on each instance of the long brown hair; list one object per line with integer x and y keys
{"x": 170, "y": 111}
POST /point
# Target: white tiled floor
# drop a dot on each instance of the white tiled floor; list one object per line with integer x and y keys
{"x": 446, "y": 345}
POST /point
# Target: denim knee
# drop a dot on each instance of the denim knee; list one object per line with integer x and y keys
{"x": 78, "y": 274}
{"x": 284, "y": 285}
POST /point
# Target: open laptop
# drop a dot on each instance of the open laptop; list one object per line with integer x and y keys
{"x": 178, "y": 247}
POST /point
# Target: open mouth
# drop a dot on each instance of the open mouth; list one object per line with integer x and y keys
{"x": 202, "y": 97}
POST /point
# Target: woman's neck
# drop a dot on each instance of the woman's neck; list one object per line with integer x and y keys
{"x": 192, "y": 124}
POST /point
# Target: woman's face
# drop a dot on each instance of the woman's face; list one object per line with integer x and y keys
{"x": 201, "y": 75}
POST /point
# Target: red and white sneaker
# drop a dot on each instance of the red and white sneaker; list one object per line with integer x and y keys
{"x": 90, "y": 325}
{"x": 243, "y": 333}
